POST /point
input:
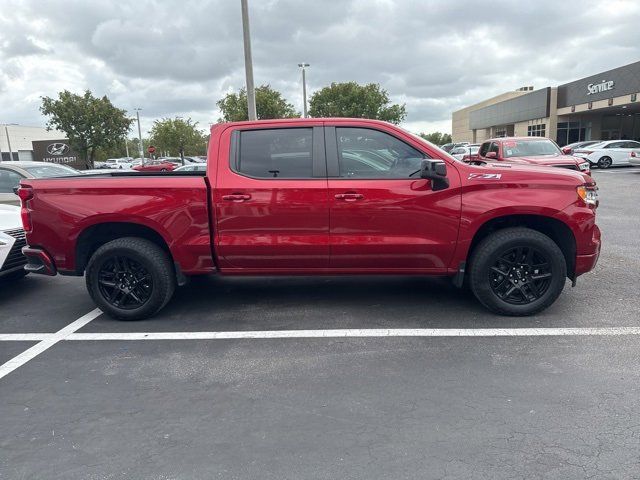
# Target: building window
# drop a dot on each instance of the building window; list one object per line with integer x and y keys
{"x": 539, "y": 130}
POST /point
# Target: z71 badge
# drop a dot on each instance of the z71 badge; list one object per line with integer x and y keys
{"x": 484, "y": 176}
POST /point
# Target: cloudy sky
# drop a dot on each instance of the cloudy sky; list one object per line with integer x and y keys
{"x": 178, "y": 57}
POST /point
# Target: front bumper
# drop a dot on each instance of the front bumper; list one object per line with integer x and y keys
{"x": 587, "y": 262}
{"x": 39, "y": 261}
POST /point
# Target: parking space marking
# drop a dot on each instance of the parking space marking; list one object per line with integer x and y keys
{"x": 47, "y": 343}
{"x": 361, "y": 333}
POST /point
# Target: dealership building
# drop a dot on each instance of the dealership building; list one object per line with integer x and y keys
{"x": 603, "y": 106}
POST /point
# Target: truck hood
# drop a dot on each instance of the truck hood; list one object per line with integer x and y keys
{"x": 9, "y": 217}
{"x": 522, "y": 170}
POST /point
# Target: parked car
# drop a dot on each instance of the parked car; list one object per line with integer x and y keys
{"x": 467, "y": 153}
{"x": 12, "y": 172}
{"x": 155, "y": 166}
{"x": 119, "y": 163}
{"x": 609, "y": 153}
{"x": 194, "y": 167}
{"x": 447, "y": 147}
{"x": 12, "y": 239}
{"x": 315, "y": 197}
{"x": 569, "y": 149}
{"x": 539, "y": 151}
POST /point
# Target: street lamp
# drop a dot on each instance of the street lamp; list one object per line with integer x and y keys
{"x": 248, "y": 62}
{"x": 304, "y": 89}
{"x": 139, "y": 136}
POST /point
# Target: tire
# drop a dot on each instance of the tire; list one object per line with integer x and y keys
{"x": 144, "y": 265}
{"x": 497, "y": 267}
{"x": 14, "y": 276}
{"x": 605, "y": 162}
{"x": 163, "y": 169}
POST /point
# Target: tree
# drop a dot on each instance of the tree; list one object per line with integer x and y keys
{"x": 178, "y": 136}
{"x": 269, "y": 104}
{"x": 437, "y": 138}
{"x": 89, "y": 122}
{"x": 356, "y": 101}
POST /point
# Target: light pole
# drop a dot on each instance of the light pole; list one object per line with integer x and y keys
{"x": 139, "y": 136}
{"x": 248, "y": 63}
{"x": 304, "y": 89}
{"x": 6, "y": 131}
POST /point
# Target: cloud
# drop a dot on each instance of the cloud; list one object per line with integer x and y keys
{"x": 179, "y": 57}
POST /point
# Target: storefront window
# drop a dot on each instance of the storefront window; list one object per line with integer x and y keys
{"x": 539, "y": 130}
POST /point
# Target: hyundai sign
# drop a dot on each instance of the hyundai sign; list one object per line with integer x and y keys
{"x": 56, "y": 151}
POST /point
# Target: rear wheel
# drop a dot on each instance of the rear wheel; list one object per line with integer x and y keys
{"x": 130, "y": 278}
{"x": 605, "y": 162}
{"x": 517, "y": 271}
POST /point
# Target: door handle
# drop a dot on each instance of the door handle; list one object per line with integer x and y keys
{"x": 236, "y": 197}
{"x": 349, "y": 197}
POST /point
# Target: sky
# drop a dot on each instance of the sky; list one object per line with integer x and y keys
{"x": 178, "y": 57}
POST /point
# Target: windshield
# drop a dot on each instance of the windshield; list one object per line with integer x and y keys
{"x": 529, "y": 148}
{"x": 50, "y": 170}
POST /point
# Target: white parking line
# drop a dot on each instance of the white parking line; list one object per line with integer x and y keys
{"x": 46, "y": 343}
{"x": 362, "y": 333}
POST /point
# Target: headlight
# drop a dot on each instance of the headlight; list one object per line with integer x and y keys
{"x": 589, "y": 195}
{"x": 584, "y": 166}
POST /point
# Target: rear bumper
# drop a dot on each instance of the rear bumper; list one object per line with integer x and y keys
{"x": 39, "y": 261}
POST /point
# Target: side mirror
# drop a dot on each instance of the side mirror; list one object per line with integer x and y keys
{"x": 15, "y": 189}
{"x": 491, "y": 155}
{"x": 436, "y": 171}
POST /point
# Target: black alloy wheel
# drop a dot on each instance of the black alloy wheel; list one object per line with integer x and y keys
{"x": 605, "y": 162}
{"x": 124, "y": 282}
{"x": 520, "y": 275}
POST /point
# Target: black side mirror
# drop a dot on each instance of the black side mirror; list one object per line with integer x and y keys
{"x": 15, "y": 189}
{"x": 436, "y": 171}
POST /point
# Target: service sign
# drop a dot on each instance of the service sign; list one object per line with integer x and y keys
{"x": 56, "y": 151}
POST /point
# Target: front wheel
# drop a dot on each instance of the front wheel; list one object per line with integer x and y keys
{"x": 517, "y": 271}
{"x": 605, "y": 162}
{"x": 130, "y": 278}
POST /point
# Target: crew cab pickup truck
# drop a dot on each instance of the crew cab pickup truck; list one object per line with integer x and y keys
{"x": 530, "y": 150}
{"x": 316, "y": 197}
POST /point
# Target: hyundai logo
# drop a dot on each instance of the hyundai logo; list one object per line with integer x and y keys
{"x": 57, "y": 148}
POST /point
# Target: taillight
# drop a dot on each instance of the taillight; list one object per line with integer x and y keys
{"x": 25, "y": 194}
{"x": 466, "y": 158}
{"x": 566, "y": 150}
{"x": 586, "y": 152}
{"x": 633, "y": 154}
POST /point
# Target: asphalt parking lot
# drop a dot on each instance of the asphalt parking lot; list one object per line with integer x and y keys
{"x": 171, "y": 398}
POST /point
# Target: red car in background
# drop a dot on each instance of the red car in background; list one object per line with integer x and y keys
{"x": 532, "y": 151}
{"x": 156, "y": 166}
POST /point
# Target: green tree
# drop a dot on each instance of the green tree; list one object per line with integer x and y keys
{"x": 269, "y": 104}
{"x": 90, "y": 123}
{"x": 176, "y": 135}
{"x": 356, "y": 101}
{"x": 437, "y": 138}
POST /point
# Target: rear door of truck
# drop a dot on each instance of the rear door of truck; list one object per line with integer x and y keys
{"x": 270, "y": 198}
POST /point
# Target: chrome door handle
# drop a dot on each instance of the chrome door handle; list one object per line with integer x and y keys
{"x": 236, "y": 197}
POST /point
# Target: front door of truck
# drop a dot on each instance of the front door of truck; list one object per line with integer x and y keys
{"x": 383, "y": 215}
{"x": 270, "y": 199}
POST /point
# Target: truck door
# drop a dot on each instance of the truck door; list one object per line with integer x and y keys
{"x": 270, "y": 199}
{"x": 383, "y": 215}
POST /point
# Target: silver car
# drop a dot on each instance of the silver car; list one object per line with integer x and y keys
{"x": 12, "y": 239}
{"x": 12, "y": 172}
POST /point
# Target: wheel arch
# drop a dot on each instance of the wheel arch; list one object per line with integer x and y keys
{"x": 553, "y": 228}
{"x": 96, "y": 235}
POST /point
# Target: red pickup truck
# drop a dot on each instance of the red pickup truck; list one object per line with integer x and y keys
{"x": 310, "y": 197}
{"x": 530, "y": 150}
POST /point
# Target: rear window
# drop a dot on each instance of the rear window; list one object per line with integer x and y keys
{"x": 51, "y": 170}
{"x": 276, "y": 153}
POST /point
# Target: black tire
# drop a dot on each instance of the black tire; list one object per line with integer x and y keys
{"x": 605, "y": 162}
{"x": 13, "y": 276}
{"x": 491, "y": 276}
{"x": 145, "y": 260}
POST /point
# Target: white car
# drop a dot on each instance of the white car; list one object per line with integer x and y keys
{"x": 119, "y": 163}
{"x": 466, "y": 153}
{"x": 194, "y": 167}
{"x": 611, "y": 152}
{"x": 12, "y": 239}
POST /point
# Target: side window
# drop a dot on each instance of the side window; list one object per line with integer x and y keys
{"x": 631, "y": 145}
{"x": 276, "y": 153}
{"x": 615, "y": 145}
{"x": 8, "y": 180}
{"x": 457, "y": 151}
{"x": 484, "y": 149}
{"x": 367, "y": 153}
{"x": 494, "y": 147}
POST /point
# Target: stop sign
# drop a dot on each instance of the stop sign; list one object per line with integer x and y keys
{"x": 151, "y": 149}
